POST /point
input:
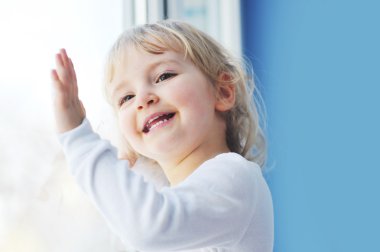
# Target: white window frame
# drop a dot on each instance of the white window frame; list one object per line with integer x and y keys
{"x": 225, "y": 18}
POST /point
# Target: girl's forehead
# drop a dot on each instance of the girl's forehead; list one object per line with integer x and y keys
{"x": 136, "y": 54}
{"x": 155, "y": 42}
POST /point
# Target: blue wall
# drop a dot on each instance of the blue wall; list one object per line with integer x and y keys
{"x": 318, "y": 64}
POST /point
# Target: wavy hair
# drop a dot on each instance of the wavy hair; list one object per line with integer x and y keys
{"x": 244, "y": 128}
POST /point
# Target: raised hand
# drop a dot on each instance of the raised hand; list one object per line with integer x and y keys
{"x": 69, "y": 110}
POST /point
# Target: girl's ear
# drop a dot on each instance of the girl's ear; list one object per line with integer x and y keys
{"x": 225, "y": 93}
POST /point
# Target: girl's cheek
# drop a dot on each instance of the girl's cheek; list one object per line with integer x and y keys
{"x": 183, "y": 94}
{"x": 125, "y": 121}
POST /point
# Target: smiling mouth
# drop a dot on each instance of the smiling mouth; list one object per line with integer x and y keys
{"x": 157, "y": 121}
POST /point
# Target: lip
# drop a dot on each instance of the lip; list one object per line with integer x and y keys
{"x": 154, "y": 116}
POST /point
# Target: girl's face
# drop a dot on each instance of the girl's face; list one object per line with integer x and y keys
{"x": 165, "y": 105}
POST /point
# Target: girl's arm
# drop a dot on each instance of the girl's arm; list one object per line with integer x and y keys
{"x": 68, "y": 109}
{"x": 213, "y": 207}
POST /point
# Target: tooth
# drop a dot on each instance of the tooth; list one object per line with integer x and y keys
{"x": 157, "y": 123}
{"x": 151, "y": 120}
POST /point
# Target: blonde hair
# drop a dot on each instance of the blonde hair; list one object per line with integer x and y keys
{"x": 244, "y": 134}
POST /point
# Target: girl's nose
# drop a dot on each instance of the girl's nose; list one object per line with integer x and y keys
{"x": 146, "y": 101}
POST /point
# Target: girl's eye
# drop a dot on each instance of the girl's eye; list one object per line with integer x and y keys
{"x": 125, "y": 99}
{"x": 165, "y": 76}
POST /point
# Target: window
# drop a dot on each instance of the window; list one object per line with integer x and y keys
{"x": 41, "y": 207}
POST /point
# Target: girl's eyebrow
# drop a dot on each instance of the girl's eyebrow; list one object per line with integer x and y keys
{"x": 161, "y": 62}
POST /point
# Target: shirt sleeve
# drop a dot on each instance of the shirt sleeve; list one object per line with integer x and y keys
{"x": 211, "y": 208}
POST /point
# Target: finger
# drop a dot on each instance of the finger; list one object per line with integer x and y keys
{"x": 58, "y": 60}
{"x": 57, "y": 85}
{"x": 59, "y": 66}
{"x": 72, "y": 70}
{"x": 55, "y": 78}
{"x": 65, "y": 58}
{"x": 62, "y": 70}
{"x": 73, "y": 77}
{"x": 54, "y": 75}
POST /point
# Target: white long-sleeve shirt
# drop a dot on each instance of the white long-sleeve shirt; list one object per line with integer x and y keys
{"x": 224, "y": 205}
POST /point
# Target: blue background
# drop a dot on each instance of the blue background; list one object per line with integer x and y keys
{"x": 318, "y": 65}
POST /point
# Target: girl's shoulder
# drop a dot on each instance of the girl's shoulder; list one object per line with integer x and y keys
{"x": 233, "y": 163}
{"x": 224, "y": 169}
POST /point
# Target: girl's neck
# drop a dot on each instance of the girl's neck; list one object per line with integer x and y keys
{"x": 178, "y": 172}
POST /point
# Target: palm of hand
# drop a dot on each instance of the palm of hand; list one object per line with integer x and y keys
{"x": 69, "y": 110}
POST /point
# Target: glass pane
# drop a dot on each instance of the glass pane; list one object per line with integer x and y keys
{"x": 202, "y": 14}
{"x": 220, "y": 19}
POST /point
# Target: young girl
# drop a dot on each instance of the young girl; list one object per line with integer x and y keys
{"x": 184, "y": 102}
